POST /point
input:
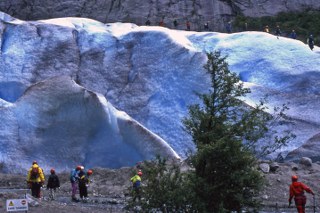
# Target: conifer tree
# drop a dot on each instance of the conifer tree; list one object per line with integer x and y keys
{"x": 226, "y": 133}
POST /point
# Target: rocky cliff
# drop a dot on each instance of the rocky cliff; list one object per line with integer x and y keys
{"x": 217, "y": 12}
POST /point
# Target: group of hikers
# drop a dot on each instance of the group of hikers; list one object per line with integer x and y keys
{"x": 79, "y": 180}
{"x": 78, "y": 177}
{"x": 292, "y": 34}
{"x": 228, "y": 28}
{"x": 175, "y": 24}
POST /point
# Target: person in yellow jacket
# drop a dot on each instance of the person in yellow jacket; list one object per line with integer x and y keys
{"x": 136, "y": 182}
{"x": 35, "y": 179}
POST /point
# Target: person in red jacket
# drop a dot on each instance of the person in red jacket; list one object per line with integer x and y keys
{"x": 297, "y": 191}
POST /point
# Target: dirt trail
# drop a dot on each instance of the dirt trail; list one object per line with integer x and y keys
{"x": 108, "y": 191}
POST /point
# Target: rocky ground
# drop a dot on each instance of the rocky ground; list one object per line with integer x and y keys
{"x": 108, "y": 191}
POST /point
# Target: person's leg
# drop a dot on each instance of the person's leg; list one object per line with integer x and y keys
{"x": 300, "y": 209}
{"x": 33, "y": 190}
{"x": 74, "y": 190}
{"x": 81, "y": 191}
{"x": 37, "y": 190}
{"x": 85, "y": 191}
{"x": 53, "y": 194}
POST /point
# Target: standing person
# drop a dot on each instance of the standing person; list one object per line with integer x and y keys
{"x": 229, "y": 27}
{"x": 53, "y": 184}
{"x": 245, "y": 26}
{"x": 161, "y": 23}
{"x": 148, "y": 23}
{"x": 310, "y": 41}
{"x": 35, "y": 179}
{"x": 136, "y": 184}
{"x": 278, "y": 31}
{"x": 175, "y": 24}
{"x": 206, "y": 26}
{"x": 266, "y": 29}
{"x": 297, "y": 191}
{"x": 84, "y": 183}
{"x": 293, "y": 34}
{"x": 74, "y": 179}
{"x": 188, "y": 25}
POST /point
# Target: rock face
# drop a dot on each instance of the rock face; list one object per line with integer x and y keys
{"x": 218, "y": 12}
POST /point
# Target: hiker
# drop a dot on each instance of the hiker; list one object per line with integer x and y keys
{"x": 136, "y": 183}
{"x": 278, "y": 31}
{"x": 188, "y": 25}
{"x": 53, "y": 184}
{"x": 175, "y": 24}
{"x": 148, "y": 23}
{"x": 74, "y": 179}
{"x": 245, "y": 26}
{"x": 297, "y": 191}
{"x": 35, "y": 179}
{"x": 310, "y": 42}
{"x": 161, "y": 23}
{"x": 84, "y": 183}
{"x": 206, "y": 26}
{"x": 293, "y": 34}
{"x": 229, "y": 27}
{"x": 266, "y": 29}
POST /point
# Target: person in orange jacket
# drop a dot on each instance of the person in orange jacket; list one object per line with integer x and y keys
{"x": 297, "y": 191}
{"x": 35, "y": 179}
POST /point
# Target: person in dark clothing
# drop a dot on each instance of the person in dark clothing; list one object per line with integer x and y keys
{"x": 278, "y": 32}
{"x": 296, "y": 191}
{"x": 53, "y": 184}
{"x": 310, "y": 41}
{"x": 229, "y": 27}
{"x": 83, "y": 184}
{"x": 175, "y": 23}
{"x": 206, "y": 26}
{"x": 188, "y": 25}
{"x": 293, "y": 34}
{"x": 148, "y": 23}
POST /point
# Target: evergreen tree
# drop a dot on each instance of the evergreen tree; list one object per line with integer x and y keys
{"x": 226, "y": 133}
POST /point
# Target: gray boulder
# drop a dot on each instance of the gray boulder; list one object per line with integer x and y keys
{"x": 305, "y": 161}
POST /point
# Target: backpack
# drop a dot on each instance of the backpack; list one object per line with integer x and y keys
{"x": 34, "y": 173}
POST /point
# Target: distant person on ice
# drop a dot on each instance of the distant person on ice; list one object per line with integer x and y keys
{"x": 229, "y": 27}
{"x": 136, "y": 184}
{"x": 310, "y": 41}
{"x": 278, "y": 32}
{"x": 297, "y": 192}
{"x": 53, "y": 184}
{"x": 293, "y": 34}
{"x": 188, "y": 25}
{"x": 35, "y": 179}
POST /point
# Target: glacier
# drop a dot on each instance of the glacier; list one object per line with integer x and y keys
{"x": 152, "y": 74}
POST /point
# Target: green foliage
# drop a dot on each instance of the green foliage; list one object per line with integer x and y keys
{"x": 226, "y": 133}
{"x": 227, "y": 173}
{"x": 165, "y": 188}
{"x": 304, "y": 23}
